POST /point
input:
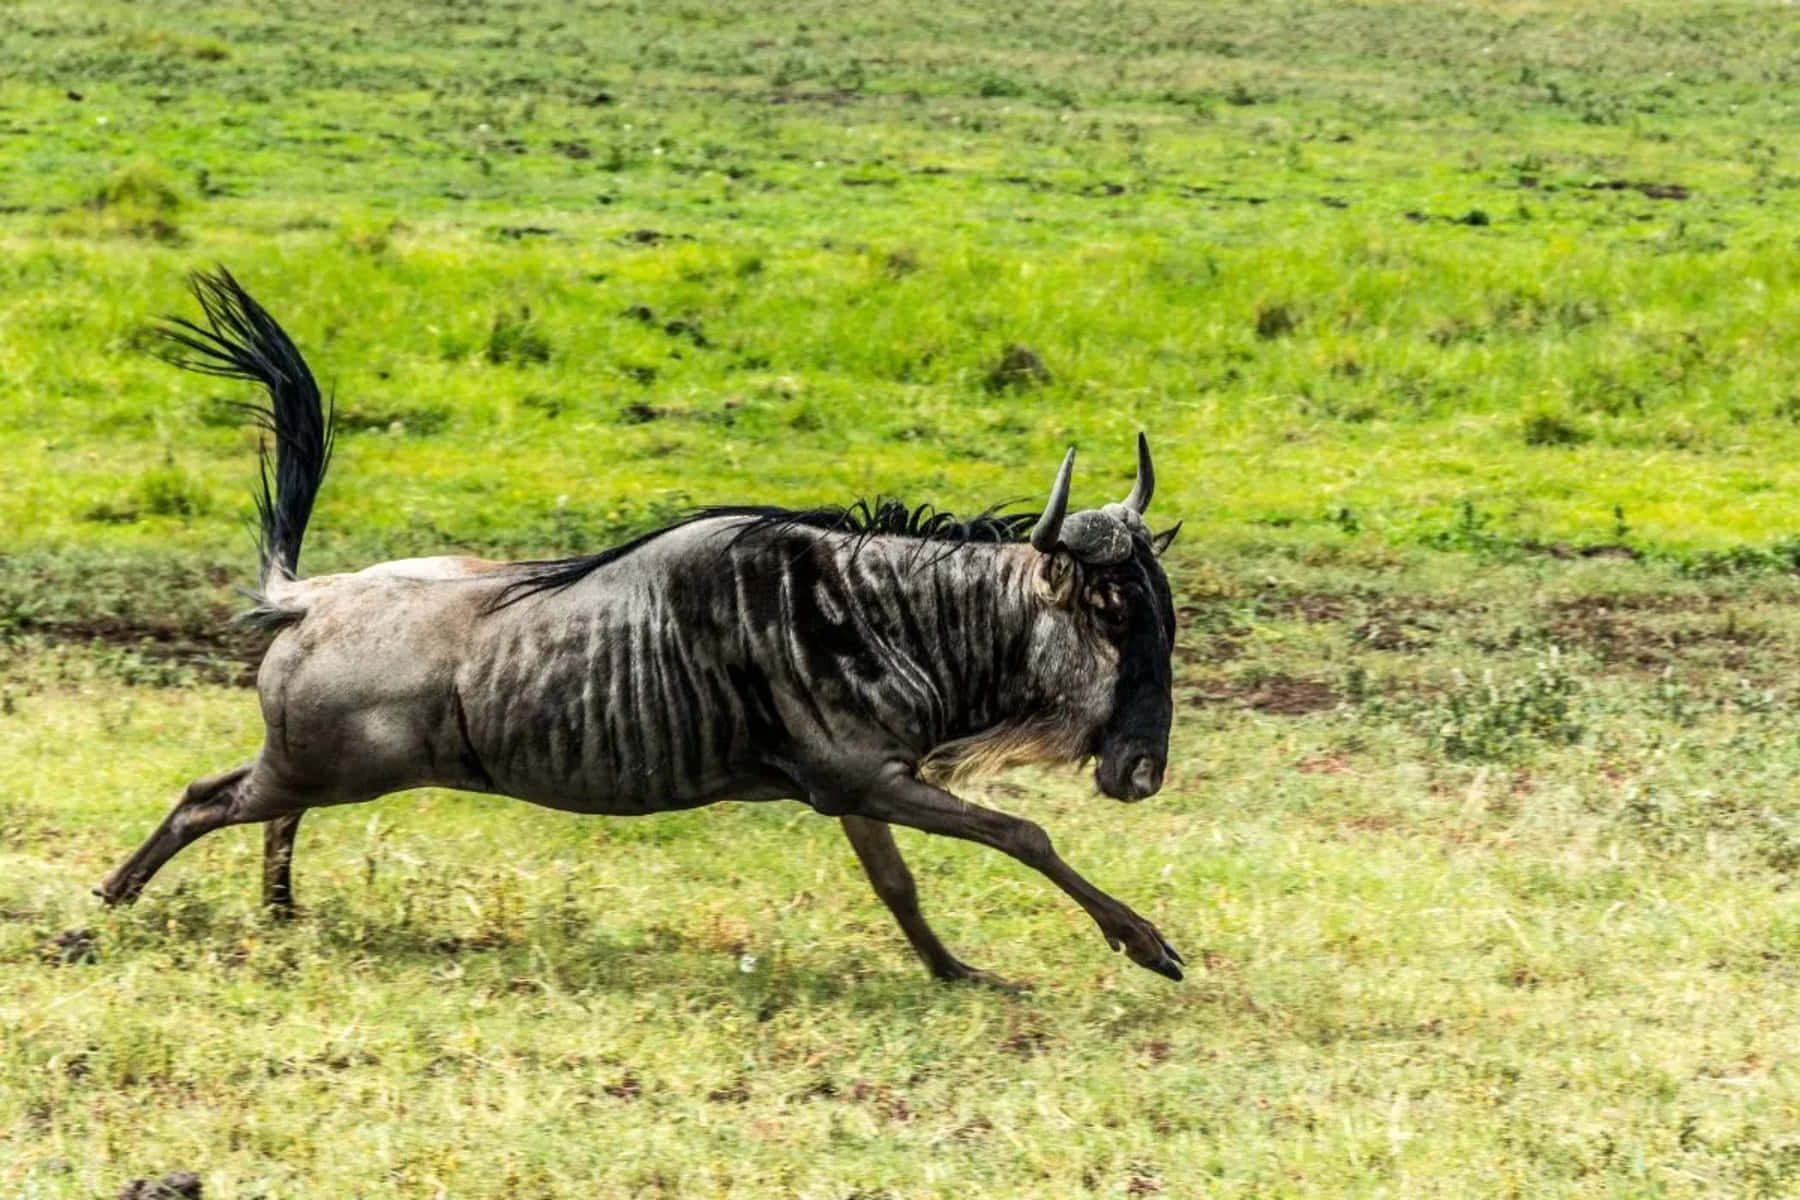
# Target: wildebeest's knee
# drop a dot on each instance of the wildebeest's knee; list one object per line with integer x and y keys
{"x": 1028, "y": 842}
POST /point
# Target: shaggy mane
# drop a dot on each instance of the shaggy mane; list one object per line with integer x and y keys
{"x": 862, "y": 521}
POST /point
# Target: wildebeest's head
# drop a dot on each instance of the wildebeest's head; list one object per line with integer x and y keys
{"x": 1106, "y": 634}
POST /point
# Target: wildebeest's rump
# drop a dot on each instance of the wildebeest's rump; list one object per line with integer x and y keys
{"x": 860, "y": 660}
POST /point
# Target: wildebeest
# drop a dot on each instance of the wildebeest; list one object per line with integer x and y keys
{"x": 859, "y": 660}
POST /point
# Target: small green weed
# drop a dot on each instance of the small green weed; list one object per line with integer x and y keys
{"x": 515, "y": 338}
{"x": 1490, "y": 720}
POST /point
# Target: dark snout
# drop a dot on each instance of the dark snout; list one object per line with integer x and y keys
{"x": 1131, "y": 772}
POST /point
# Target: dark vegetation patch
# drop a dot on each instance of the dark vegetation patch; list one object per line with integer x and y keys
{"x": 1019, "y": 368}
{"x": 652, "y": 237}
{"x": 519, "y": 233}
{"x": 413, "y": 420}
{"x": 176, "y": 1185}
{"x": 514, "y": 337}
{"x": 1397, "y": 630}
{"x": 681, "y": 327}
{"x": 69, "y": 948}
{"x": 156, "y": 621}
{"x": 1546, "y": 428}
{"x": 146, "y": 655}
{"x": 1654, "y": 637}
{"x": 1655, "y": 191}
{"x": 1276, "y": 320}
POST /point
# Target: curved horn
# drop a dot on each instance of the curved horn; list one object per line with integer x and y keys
{"x": 1145, "y": 487}
{"x": 1047, "y": 533}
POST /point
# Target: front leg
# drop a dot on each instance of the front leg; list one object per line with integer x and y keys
{"x": 899, "y": 798}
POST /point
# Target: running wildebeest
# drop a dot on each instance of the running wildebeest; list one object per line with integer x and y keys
{"x": 857, "y": 659}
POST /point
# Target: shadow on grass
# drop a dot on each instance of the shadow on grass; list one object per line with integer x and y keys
{"x": 553, "y": 953}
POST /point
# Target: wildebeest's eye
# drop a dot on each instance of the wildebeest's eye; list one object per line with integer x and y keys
{"x": 1107, "y": 602}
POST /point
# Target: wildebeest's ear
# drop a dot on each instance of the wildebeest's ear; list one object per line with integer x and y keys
{"x": 1055, "y": 579}
{"x": 1159, "y": 542}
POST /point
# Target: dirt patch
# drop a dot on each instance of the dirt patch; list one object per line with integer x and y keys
{"x": 641, "y": 414}
{"x": 228, "y": 655}
{"x": 1655, "y": 191}
{"x": 651, "y": 237}
{"x": 1394, "y": 632}
{"x": 1626, "y": 630}
{"x": 1578, "y": 607}
{"x": 176, "y": 1185}
{"x": 1280, "y": 695}
{"x": 1600, "y": 550}
{"x": 628, "y": 1088}
{"x": 1210, "y": 651}
{"x": 1312, "y": 607}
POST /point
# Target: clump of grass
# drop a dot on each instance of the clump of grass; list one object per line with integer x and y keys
{"x": 165, "y": 491}
{"x": 900, "y": 262}
{"x": 1019, "y": 368}
{"x": 370, "y": 237}
{"x": 516, "y": 338}
{"x": 1276, "y": 320}
{"x": 991, "y": 85}
{"x": 1493, "y": 721}
{"x": 140, "y": 200}
{"x": 1546, "y": 427}
{"x": 142, "y": 184}
{"x": 169, "y": 491}
{"x": 163, "y": 43}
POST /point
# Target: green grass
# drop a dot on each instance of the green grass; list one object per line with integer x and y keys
{"x": 1544, "y": 964}
{"x": 1480, "y": 835}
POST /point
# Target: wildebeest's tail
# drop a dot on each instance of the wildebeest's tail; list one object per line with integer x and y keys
{"x": 242, "y": 341}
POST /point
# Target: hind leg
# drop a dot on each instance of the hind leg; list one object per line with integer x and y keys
{"x": 278, "y": 864}
{"x": 874, "y": 844}
{"x": 233, "y": 797}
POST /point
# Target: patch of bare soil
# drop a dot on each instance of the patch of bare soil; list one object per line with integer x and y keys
{"x": 1219, "y": 648}
{"x": 1312, "y": 607}
{"x": 227, "y": 655}
{"x": 1626, "y": 630}
{"x": 1280, "y": 695}
{"x": 1655, "y": 191}
{"x": 176, "y": 1185}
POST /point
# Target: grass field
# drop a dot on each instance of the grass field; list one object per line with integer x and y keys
{"x": 1467, "y": 339}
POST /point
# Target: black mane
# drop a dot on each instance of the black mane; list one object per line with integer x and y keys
{"x": 885, "y": 517}
{"x": 862, "y": 520}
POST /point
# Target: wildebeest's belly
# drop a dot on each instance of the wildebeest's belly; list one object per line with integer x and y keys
{"x": 591, "y": 716}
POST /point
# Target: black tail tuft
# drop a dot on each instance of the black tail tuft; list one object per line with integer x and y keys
{"x": 241, "y": 341}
